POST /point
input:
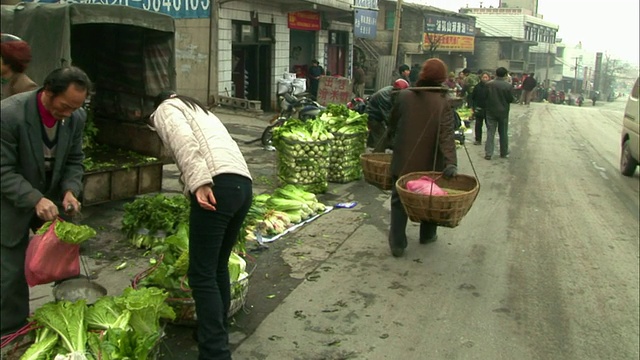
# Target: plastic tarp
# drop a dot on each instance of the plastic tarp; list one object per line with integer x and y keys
{"x": 48, "y": 30}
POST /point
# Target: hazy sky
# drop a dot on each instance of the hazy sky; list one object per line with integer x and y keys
{"x": 610, "y": 26}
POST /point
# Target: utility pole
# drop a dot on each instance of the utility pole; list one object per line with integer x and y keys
{"x": 546, "y": 79}
{"x": 396, "y": 31}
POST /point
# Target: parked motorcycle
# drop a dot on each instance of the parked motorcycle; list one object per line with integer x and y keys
{"x": 580, "y": 100}
{"x": 291, "y": 107}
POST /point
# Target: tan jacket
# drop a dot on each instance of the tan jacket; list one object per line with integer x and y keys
{"x": 18, "y": 83}
{"x": 199, "y": 142}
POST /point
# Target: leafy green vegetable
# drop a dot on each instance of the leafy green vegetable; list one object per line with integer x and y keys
{"x": 148, "y": 215}
{"x": 106, "y": 314}
{"x": 237, "y": 265}
{"x": 46, "y": 340}
{"x": 68, "y": 320}
{"x": 69, "y": 232}
{"x": 121, "y": 344}
{"x": 147, "y": 306}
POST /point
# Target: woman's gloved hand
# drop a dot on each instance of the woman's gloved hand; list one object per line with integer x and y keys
{"x": 450, "y": 171}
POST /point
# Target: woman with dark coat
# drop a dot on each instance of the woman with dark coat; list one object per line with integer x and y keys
{"x": 422, "y": 125}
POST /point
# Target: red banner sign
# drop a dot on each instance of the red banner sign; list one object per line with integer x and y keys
{"x": 304, "y": 20}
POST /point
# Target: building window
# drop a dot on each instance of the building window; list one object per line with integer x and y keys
{"x": 245, "y": 32}
{"x": 390, "y": 20}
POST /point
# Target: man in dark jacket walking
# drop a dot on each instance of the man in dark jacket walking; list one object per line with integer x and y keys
{"x": 479, "y": 101}
{"x": 528, "y": 85}
{"x": 499, "y": 101}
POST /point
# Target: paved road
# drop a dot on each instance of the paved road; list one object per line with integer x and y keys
{"x": 544, "y": 266}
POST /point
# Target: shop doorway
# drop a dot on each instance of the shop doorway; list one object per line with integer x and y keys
{"x": 251, "y": 63}
{"x": 337, "y": 53}
{"x": 251, "y": 74}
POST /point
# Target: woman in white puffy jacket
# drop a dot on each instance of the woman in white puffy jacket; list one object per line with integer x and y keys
{"x": 217, "y": 179}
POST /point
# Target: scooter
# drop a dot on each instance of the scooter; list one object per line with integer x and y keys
{"x": 291, "y": 107}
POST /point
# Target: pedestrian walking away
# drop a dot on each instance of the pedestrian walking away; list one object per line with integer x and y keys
{"x": 423, "y": 137}
{"x": 499, "y": 99}
{"x": 358, "y": 81}
{"x": 16, "y": 55}
{"x": 479, "y": 101}
{"x": 41, "y": 172}
{"x": 528, "y": 86}
{"x": 217, "y": 180}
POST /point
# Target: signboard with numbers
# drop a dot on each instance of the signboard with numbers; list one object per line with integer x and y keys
{"x": 367, "y": 4}
{"x": 334, "y": 90}
{"x": 179, "y": 9}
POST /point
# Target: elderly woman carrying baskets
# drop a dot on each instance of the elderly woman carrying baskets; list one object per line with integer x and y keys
{"x": 423, "y": 132}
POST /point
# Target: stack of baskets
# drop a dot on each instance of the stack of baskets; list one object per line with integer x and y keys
{"x": 376, "y": 169}
{"x": 304, "y": 164}
{"x": 344, "y": 161}
{"x": 447, "y": 210}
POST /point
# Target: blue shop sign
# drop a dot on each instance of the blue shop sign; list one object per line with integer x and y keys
{"x": 365, "y": 24}
{"x": 179, "y": 9}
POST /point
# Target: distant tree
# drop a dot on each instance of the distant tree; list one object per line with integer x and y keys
{"x": 434, "y": 43}
{"x": 612, "y": 69}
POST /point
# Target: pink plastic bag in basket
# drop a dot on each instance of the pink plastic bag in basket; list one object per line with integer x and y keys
{"x": 425, "y": 186}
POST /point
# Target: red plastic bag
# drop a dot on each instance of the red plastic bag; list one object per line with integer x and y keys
{"x": 425, "y": 186}
{"x": 49, "y": 259}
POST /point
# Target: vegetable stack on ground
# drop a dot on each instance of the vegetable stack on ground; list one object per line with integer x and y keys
{"x": 170, "y": 263}
{"x": 149, "y": 219}
{"x": 349, "y": 130}
{"x": 303, "y": 154}
{"x": 121, "y": 327}
{"x": 271, "y": 215}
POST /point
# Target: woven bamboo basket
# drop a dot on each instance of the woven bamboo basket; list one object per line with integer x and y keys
{"x": 185, "y": 307}
{"x": 376, "y": 169}
{"x": 447, "y": 210}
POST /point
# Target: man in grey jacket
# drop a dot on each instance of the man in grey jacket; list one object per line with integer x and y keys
{"x": 41, "y": 168}
{"x": 499, "y": 99}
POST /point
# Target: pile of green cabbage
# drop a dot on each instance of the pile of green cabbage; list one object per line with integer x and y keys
{"x": 303, "y": 154}
{"x": 115, "y": 327}
{"x": 349, "y": 129}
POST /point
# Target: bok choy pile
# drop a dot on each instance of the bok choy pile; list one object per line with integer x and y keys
{"x": 121, "y": 327}
{"x": 349, "y": 130}
{"x": 303, "y": 151}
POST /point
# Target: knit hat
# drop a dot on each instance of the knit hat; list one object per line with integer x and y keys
{"x": 400, "y": 84}
{"x": 15, "y": 52}
{"x": 403, "y": 67}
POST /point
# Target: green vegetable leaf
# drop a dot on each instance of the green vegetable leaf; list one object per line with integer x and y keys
{"x": 68, "y": 320}
{"x": 147, "y": 306}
